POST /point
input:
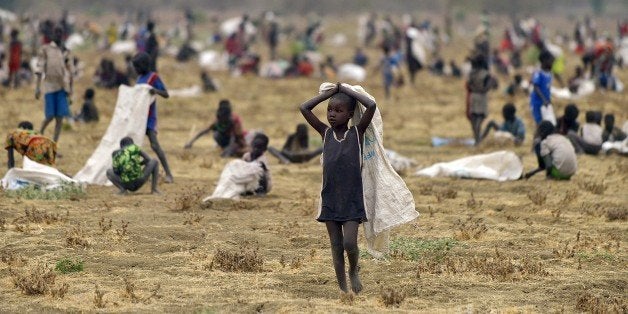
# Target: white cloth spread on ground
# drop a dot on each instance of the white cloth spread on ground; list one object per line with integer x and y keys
{"x": 387, "y": 200}
{"x": 587, "y": 87}
{"x": 498, "y": 166}
{"x": 34, "y": 173}
{"x": 129, "y": 119}
{"x": 236, "y": 178}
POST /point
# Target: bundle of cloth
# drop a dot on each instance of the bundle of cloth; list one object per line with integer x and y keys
{"x": 387, "y": 200}
{"x": 237, "y": 178}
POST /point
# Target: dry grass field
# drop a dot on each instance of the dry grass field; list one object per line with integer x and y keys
{"x": 478, "y": 246}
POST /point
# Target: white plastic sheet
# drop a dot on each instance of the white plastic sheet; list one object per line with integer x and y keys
{"x": 498, "y": 166}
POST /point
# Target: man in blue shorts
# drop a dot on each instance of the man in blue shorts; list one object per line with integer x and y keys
{"x": 54, "y": 68}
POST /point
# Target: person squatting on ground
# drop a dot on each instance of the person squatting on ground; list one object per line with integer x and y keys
{"x": 296, "y": 148}
{"x": 259, "y": 145}
{"x": 342, "y": 207}
{"x": 29, "y": 143}
{"x": 228, "y": 131}
{"x": 512, "y": 125}
{"x": 89, "y": 112}
{"x": 142, "y": 63}
{"x": 55, "y": 69}
{"x": 479, "y": 83}
{"x": 127, "y": 173}
{"x": 589, "y": 139}
{"x": 554, "y": 154}
{"x": 569, "y": 121}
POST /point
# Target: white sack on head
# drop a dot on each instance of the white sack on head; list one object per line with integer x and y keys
{"x": 236, "y": 178}
{"x": 387, "y": 200}
{"x": 498, "y": 166}
{"x": 351, "y": 72}
{"x": 129, "y": 119}
{"x": 36, "y": 174}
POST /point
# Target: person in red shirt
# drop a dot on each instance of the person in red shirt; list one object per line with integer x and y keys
{"x": 15, "y": 58}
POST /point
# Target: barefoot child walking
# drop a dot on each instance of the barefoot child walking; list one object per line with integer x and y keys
{"x": 342, "y": 207}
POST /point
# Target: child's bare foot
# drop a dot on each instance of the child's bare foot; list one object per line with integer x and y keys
{"x": 168, "y": 179}
{"x": 156, "y": 192}
{"x": 356, "y": 284}
{"x": 121, "y": 192}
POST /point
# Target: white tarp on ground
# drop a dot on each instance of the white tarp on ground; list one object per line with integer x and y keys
{"x": 236, "y": 178}
{"x": 129, "y": 119}
{"x": 34, "y": 173}
{"x": 498, "y": 166}
{"x": 387, "y": 200}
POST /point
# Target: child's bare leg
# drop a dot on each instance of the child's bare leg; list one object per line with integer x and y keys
{"x": 154, "y": 144}
{"x": 115, "y": 179}
{"x": 151, "y": 169}
{"x": 58, "y": 125}
{"x": 350, "y": 243}
{"x": 44, "y": 125}
{"x": 337, "y": 252}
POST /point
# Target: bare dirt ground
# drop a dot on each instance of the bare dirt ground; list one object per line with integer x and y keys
{"x": 522, "y": 246}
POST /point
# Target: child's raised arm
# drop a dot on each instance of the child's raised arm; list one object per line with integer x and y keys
{"x": 367, "y": 102}
{"x": 310, "y": 117}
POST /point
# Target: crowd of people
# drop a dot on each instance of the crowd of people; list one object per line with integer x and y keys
{"x": 405, "y": 50}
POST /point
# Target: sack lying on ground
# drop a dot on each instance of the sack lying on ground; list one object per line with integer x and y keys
{"x": 498, "y": 166}
{"x": 33, "y": 173}
{"x": 238, "y": 177}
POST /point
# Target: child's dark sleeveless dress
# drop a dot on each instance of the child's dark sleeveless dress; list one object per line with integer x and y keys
{"x": 342, "y": 195}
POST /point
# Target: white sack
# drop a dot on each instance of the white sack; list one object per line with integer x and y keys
{"x": 236, "y": 178}
{"x": 387, "y": 200}
{"x": 192, "y": 91}
{"x": 398, "y": 162}
{"x": 498, "y": 166}
{"x": 34, "y": 173}
{"x": 129, "y": 119}
{"x": 587, "y": 87}
{"x": 123, "y": 47}
{"x": 74, "y": 41}
{"x": 231, "y": 26}
{"x": 351, "y": 72}
{"x": 213, "y": 60}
